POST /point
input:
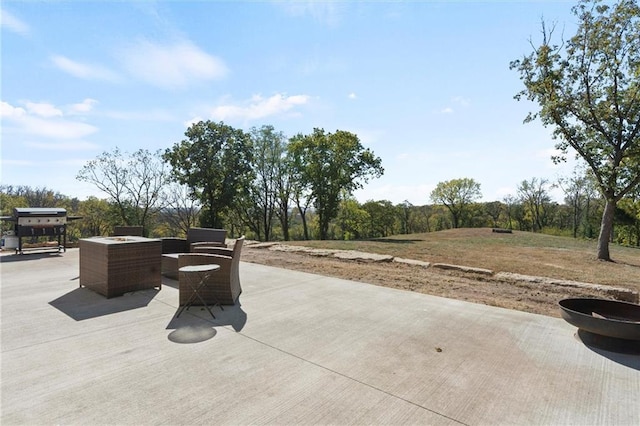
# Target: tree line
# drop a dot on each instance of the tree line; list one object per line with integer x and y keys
{"x": 454, "y": 204}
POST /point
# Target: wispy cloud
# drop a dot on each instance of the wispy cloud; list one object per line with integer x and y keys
{"x": 258, "y": 107}
{"x": 352, "y": 95}
{"x": 176, "y": 65}
{"x": 82, "y": 107}
{"x": 457, "y": 102}
{"x": 42, "y": 109}
{"x": 326, "y": 12}
{"x": 45, "y": 120}
{"x": 12, "y": 23}
{"x": 82, "y": 70}
{"x": 63, "y": 146}
{"x": 462, "y": 101}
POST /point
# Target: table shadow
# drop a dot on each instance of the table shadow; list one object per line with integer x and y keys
{"x": 228, "y": 315}
{"x": 82, "y": 303}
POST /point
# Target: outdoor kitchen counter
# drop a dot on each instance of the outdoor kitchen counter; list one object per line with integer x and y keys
{"x": 113, "y": 266}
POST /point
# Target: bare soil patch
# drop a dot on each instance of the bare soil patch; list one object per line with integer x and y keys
{"x": 536, "y": 298}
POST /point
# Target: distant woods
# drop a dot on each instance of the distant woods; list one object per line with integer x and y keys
{"x": 531, "y": 208}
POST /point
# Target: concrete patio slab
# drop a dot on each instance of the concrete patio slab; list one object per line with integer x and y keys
{"x": 299, "y": 349}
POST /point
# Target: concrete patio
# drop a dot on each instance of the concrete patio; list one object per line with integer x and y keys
{"x": 299, "y": 349}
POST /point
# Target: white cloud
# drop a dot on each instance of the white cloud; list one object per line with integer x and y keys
{"x": 43, "y": 120}
{"x": 84, "y": 71}
{"x": 193, "y": 121}
{"x": 82, "y": 107}
{"x": 10, "y": 22}
{"x": 258, "y": 107}
{"x": 171, "y": 66}
{"x": 43, "y": 109}
{"x": 10, "y": 112}
{"x": 352, "y": 95}
{"x": 447, "y": 110}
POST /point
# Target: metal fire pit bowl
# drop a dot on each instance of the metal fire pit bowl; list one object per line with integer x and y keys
{"x": 611, "y": 318}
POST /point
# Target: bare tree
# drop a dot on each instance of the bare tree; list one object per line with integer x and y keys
{"x": 133, "y": 182}
{"x": 181, "y": 208}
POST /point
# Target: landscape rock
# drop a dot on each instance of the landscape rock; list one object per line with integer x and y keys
{"x": 618, "y": 293}
{"x": 362, "y": 256}
{"x": 463, "y": 268}
{"x": 412, "y": 262}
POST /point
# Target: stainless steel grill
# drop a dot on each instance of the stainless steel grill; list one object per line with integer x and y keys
{"x": 40, "y": 222}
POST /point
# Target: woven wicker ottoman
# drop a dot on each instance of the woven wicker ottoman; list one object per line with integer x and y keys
{"x": 112, "y": 266}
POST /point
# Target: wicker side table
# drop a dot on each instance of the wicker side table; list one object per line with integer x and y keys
{"x": 112, "y": 266}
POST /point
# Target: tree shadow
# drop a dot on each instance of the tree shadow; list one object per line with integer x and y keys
{"x": 82, "y": 303}
{"x": 396, "y": 241}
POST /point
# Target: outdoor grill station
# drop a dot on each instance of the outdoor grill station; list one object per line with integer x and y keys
{"x": 38, "y": 222}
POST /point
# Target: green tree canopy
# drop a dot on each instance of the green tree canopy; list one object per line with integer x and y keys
{"x": 588, "y": 90}
{"x": 329, "y": 165}
{"x": 214, "y": 161}
{"x": 456, "y": 195}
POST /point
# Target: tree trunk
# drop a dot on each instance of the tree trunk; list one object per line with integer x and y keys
{"x": 606, "y": 227}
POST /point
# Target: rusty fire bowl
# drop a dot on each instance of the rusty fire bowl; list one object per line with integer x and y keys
{"x": 611, "y": 318}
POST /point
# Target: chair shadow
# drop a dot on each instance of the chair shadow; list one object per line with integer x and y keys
{"x": 229, "y": 315}
{"x": 622, "y": 351}
{"x": 82, "y": 303}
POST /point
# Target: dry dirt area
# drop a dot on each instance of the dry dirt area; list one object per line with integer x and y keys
{"x": 534, "y": 297}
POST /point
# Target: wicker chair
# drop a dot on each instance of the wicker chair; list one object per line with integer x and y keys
{"x": 210, "y": 237}
{"x": 223, "y": 286}
{"x": 122, "y": 231}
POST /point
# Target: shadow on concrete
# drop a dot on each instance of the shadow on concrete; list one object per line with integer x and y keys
{"x": 82, "y": 303}
{"x": 232, "y": 315}
{"x": 6, "y": 258}
{"x": 170, "y": 282}
{"x": 622, "y": 351}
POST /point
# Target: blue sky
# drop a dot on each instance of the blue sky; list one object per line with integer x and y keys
{"x": 425, "y": 85}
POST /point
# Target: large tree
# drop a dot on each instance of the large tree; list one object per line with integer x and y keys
{"x": 269, "y": 147}
{"x": 456, "y": 195}
{"x": 214, "y": 161}
{"x": 134, "y": 182}
{"x": 332, "y": 165}
{"x": 588, "y": 91}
